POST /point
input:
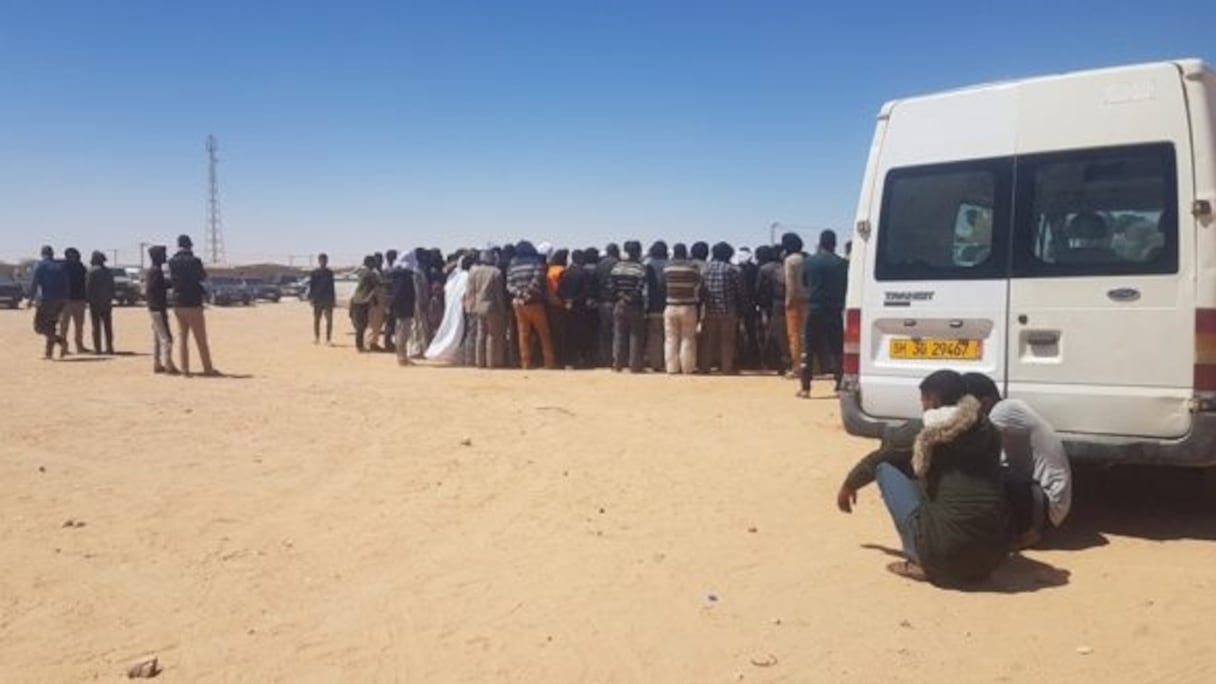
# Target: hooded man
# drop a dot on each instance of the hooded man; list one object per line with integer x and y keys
{"x": 656, "y": 304}
{"x": 628, "y": 314}
{"x": 156, "y": 292}
{"x": 602, "y": 291}
{"x": 187, "y": 276}
{"x": 526, "y": 284}
{"x": 485, "y": 299}
{"x": 99, "y": 288}
{"x": 404, "y": 303}
{"x": 78, "y": 299}
{"x": 49, "y": 292}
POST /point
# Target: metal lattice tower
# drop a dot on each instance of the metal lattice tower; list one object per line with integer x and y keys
{"x": 215, "y": 233}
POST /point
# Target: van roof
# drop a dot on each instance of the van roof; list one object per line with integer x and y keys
{"x": 1189, "y": 67}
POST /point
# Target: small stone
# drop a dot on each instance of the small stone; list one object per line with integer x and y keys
{"x": 467, "y": 441}
{"x": 189, "y": 410}
{"x": 776, "y": 621}
{"x": 712, "y": 598}
{"x": 601, "y": 511}
{"x": 145, "y": 669}
{"x": 288, "y": 543}
{"x": 753, "y": 529}
{"x": 908, "y": 625}
{"x": 1084, "y": 650}
{"x": 42, "y": 469}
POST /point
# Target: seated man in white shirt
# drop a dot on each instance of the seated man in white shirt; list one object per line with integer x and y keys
{"x": 1040, "y": 479}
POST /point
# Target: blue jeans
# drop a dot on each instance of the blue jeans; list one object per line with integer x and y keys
{"x": 903, "y": 503}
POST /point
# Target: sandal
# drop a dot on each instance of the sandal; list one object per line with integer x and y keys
{"x": 908, "y": 570}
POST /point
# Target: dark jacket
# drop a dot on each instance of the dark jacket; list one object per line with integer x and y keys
{"x": 78, "y": 276}
{"x": 187, "y": 275}
{"x": 321, "y": 287}
{"x": 575, "y": 287}
{"x": 963, "y": 523}
{"x": 601, "y": 287}
{"x": 826, "y": 277}
{"x": 100, "y": 288}
{"x": 404, "y": 297}
{"x": 156, "y": 289}
{"x": 656, "y": 286}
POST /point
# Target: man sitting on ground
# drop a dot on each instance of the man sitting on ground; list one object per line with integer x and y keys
{"x": 1038, "y": 477}
{"x": 945, "y": 494}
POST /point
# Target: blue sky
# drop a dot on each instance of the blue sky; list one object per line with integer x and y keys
{"x": 355, "y": 127}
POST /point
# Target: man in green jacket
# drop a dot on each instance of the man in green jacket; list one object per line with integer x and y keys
{"x": 945, "y": 493}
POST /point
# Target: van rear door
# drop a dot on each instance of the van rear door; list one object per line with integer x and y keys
{"x": 937, "y": 263}
{"x": 1101, "y": 313}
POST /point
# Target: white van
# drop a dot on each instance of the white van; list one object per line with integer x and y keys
{"x": 1056, "y": 234}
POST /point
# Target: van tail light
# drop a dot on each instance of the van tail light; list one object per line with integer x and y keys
{"x": 1205, "y": 360}
{"x": 852, "y": 342}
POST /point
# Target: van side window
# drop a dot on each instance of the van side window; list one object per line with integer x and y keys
{"x": 945, "y": 222}
{"x": 1109, "y": 211}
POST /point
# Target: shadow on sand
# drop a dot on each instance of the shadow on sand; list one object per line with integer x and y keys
{"x": 1156, "y": 503}
{"x": 1017, "y": 575}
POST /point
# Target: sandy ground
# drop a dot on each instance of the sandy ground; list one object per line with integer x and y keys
{"x": 321, "y": 521}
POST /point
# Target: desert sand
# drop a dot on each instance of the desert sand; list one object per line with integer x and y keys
{"x": 328, "y": 517}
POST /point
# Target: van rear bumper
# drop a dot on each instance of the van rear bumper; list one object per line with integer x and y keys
{"x": 1196, "y": 449}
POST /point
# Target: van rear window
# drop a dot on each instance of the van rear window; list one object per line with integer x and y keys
{"x": 1097, "y": 212}
{"x": 945, "y": 222}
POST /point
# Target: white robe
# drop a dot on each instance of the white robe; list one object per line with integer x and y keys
{"x": 446, "y": 347}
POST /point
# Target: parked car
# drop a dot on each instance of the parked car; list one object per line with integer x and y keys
{"x": 1055, "y": 234}
{"x": 262, "y": 289}
{"x": 291, "y": 286}
{"x": 126, "y": 291}
{"x": 228, "y": 292}
{"x": 11, "y": 293}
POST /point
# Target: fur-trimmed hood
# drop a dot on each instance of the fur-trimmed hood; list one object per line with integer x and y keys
{"x": 942, "y": 426}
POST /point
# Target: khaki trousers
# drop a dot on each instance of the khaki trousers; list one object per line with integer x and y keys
{"x": 191, "y": 320}
{"x": 795, "y": 320}
{"x": 680, "y": 332}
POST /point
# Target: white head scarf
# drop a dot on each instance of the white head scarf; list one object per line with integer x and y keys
{"x": 406, "y": 261}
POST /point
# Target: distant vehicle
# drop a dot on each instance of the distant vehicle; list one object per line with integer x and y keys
{"x": 292, "y": 286}
{"x": 11, "y": 293}
{"x": 228, "y": 292}
{"x": 261, "y": 289}
{"x": 127, "y": 291}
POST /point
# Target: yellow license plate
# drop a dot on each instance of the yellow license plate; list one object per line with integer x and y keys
{"x": 936, "y": 349}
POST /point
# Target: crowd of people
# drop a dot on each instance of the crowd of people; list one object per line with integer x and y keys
{"x": 978, "y": 477}
{"x": 681, "y": 310}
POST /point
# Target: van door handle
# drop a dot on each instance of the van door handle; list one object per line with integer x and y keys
{"x": 1041, "y": 339}
{"x": 1123, "y": 294}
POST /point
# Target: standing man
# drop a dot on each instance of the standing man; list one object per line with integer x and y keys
{"x": 526, "y": 283}
{"x": 575, "y": 290}
{"x": 683, "y": 285}
{"x": 628, "y": 313}
{"x": 656, "y": 304}
{"x": 826, "y": 277}
{"x": 770, "y": 298}
{"x": 749, "y": 336}
{"x": 99, "y": 288}
{"x": 386, "y": 289}
{"x": 420, "y": 334}
{"x": 321, "y": 294}
{"x": 486, "y": 299}
{"x": 156, "y": 292}
{"x": 605, "y": 303}
{"x": 186, "y": 275}
{"x": 722, "y": 303}
{"x": 555, "y": 308}
{"x": 363, "y": 299}
{"x": 73, "y": 309}
{"x": 795, "y": 296}
{"x": 49, "y": 292}
{"x": 404, "y": 305}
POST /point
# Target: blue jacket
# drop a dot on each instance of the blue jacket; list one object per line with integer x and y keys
{"x": 49, "y": 281}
